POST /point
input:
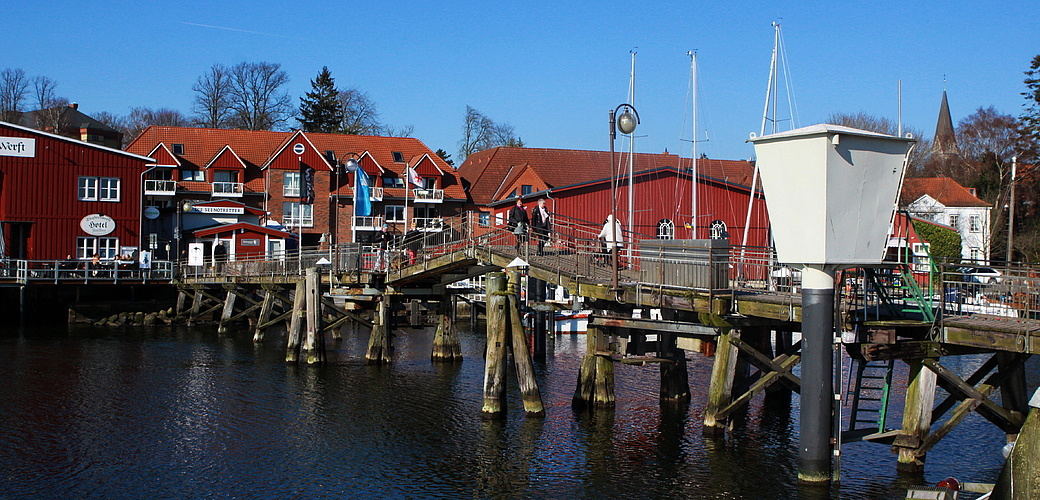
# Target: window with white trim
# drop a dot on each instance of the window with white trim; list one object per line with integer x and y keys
{"x": 976, "y": 254}
{"x": 394, "y": 213}
{"x": 297, "y": 214}
{"x": 291, "y": 184}
{"x": 954, "y": 220}
{"x": 106, "y": 248}
{"x": 193, "y": 175}
{"x": 665, "y": 229}
{"x": 975, "y": 222}
{"x": 98, "y": 189}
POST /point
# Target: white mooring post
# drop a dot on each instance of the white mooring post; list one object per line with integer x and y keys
{"x": 831, "y": 192}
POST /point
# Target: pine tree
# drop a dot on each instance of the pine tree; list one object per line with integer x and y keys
{"x": 320, "y": 111}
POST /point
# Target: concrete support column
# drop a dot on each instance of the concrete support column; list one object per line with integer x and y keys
{"x": 814, "y": 447}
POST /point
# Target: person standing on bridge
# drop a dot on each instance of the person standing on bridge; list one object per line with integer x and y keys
{"x": 541, "y": 222}
{"x": 518, "y": 221}
{"x": 381, "y": 241}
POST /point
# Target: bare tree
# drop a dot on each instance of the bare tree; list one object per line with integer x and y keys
{"x": 359, "y": 113}
{"x": 142, "y": 118}
{"x": 480, "y": 132}
{"x": 51, "y": 107}
{"x": 391, "y": 131}
{"x": 256, "y": 97}
{"x": 14, "y": 86}
{"x": 873, "y": 123}
{"x": 212, "y": 104}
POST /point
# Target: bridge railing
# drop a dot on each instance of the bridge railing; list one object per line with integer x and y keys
{"x": 82, "y": 271}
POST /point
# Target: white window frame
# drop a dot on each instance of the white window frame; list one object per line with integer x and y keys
{"x": 86, "y": 247}
{"x": 291, "y": 184}
{"x": 106, "y": 247}
{"x": 394, "y": 210}
{"x": 955, "y": 219}
{"x": 976, "y": 254}
{"x": 88, "y": 189}
{"x": 109, "y": 189}
{"x": 665, "y": 229}
{"x": 193, "y": 175}
{"x": 295, "y": 214}
{"x": 975, "y": 223}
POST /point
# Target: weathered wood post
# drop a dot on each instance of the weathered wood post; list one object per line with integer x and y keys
{"x": 1018, "y": 478}
{"x": 314, "y": 342}
{"x": 446, "y": 347}
{"x": 917, "y": 416}
{"x": 265, "y": 314}
{"x": 596, "y": 375}
{"x": 196, "y": 305}
{"x": 182, "y": 297}
{"x": 495, "y": 358}
{"x": 675, "y": 379}
{"x": 379, "y": 342}
{"x": 522, "y": 358}
{"x": 720, "y": 390}
{"x": 229, "y": 310}
{"x": 292, "y": 348}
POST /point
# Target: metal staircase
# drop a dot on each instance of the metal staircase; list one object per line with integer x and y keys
{"x": 870, "y": 397}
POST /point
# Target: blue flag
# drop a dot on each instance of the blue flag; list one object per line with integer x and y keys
{"x": 362, "y": 201}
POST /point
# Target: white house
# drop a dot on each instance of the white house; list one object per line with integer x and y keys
{"x": 944, "y": 201}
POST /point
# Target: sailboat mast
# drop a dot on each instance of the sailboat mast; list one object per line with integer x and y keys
{"x": 771, "y": 86}
{"x": 693, "y": 163}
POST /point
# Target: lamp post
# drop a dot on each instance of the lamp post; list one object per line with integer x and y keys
{"x": 350, "y": 165}
{"x": 626, "y": 123}
{"x": 1011, "y": 213}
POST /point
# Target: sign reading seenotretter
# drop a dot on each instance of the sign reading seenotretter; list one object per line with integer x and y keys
{"x": 97, "y": 225}
{"x": 18, "y": 146}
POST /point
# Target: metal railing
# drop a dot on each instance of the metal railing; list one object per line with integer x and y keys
{"x": 231, "y": 189}
{"x": 159, "y": 187}
{"x": 83, "y": 271}
{"x": 428, "y": 195}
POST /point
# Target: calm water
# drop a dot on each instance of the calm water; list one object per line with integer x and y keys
{"x": 179, "y": 413}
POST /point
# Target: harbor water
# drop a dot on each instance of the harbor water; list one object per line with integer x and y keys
{"x": 172, "y": 413}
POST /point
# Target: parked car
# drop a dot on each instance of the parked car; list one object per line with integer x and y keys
{"x": 976, "y": 274}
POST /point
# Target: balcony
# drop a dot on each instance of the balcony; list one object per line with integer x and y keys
{"x": 375, "y": 194}
{"x": 160, "y": 187}
{"x": 429, "y": 225}
{"x": 428, "y": 195}
{"x": 367, "y": 223}
{"x": 228, "y": 189}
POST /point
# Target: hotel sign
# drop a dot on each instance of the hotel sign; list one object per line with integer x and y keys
{"x": 18, "y": 146}
{"x": 97, "y": 225}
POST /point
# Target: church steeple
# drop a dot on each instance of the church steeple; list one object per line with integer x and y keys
{"x": 945, "y": 142}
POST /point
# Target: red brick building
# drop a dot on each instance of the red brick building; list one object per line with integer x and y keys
{"x": 63, "y": 197}
{"x": 293, "y": 177}
{"x": 577, "y": 185}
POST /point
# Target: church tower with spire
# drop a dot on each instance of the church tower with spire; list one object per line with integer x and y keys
{"x": 945, "y": 143}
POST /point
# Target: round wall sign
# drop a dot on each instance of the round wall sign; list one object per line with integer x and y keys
{"x": 151, "y": 213}
{"x": 298, "y": 148}
{"x": 97, "y": 225}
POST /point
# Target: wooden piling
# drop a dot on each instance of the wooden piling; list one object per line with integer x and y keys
{"x": 596, "y": 376}
{"x": 182, "y": 297}
{"x": 266, "y": 309}
{"x": 675, "y": 379}
{"x": 1019, "y": 478}
{"x": 379, "y": 342}
{"x": 196, "y": 305}
{"x": 229, "y": 310}
{"x": 917, "y": 416}
{"x": 495, "y": 358}
{"x": 446, "y": 346}
{"x": 292, "y": 349}
{"x": 314, "y": 341}
{"x": 522, "y": 358}
{"x": 720, "y": 390}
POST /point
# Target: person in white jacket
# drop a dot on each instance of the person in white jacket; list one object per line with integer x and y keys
{"x": 611, "y": 234}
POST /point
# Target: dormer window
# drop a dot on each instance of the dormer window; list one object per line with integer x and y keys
{"x": 178, "y": 149}
{"x": 391, "y": 180}
{"x": 330, "y": 156}
{"x": 398, "y": 156}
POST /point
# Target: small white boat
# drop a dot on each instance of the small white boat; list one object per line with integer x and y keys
{"x": 572, "y": 321}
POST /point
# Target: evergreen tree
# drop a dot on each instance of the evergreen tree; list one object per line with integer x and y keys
{"x": 320, "y": 109}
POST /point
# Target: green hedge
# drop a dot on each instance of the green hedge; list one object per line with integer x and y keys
{"x": 944, "y": 244}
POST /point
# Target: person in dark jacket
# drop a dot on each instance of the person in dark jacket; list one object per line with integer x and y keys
{"x": 413, "y": 240}
{"x": 541, "y": 223}
{"x": 381, "y": 240}
{"x": 518, "y": 221}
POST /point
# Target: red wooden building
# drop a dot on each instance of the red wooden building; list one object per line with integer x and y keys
{"x": 576, "y": 184}
{"x": 63, "y": 197}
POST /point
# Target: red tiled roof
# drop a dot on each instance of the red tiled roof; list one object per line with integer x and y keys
{"x": 943, "y": 189}
{"x": 486, "y": 172}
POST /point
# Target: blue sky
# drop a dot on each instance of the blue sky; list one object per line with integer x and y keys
{"x": 553, "y": 70}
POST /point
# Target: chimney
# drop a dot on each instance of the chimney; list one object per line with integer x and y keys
{"x": 74, "y": 105}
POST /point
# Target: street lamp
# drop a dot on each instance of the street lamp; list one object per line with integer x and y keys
{"x": 350, "y": 165}
{"x": 626, "y": 123}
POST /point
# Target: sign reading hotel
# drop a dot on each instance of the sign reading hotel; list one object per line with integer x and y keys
{"x": 97, "y": 225}
{"x": 18, "y": 146}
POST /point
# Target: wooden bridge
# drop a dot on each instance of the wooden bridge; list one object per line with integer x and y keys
{"x": 671, "y": 297}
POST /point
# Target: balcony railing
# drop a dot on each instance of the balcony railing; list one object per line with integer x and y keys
{"x": 428, "y": 195}
{"x": 229, "y": 189}
{"x": 375, "y": 194}
{"x": 367, "y": 223}
{"x": 160, "y": 187}
{"x": 429, "y": 224}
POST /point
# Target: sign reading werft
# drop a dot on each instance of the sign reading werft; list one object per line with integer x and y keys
{"x": 18, "y": 146}
{"x": 97, "y": 225}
